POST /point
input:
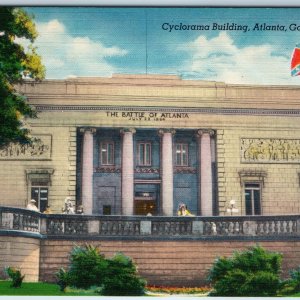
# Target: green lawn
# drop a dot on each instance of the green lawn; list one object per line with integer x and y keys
{"x": 40, "y": 289}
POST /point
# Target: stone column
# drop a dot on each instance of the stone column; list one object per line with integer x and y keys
{"x": 205, "y": 160}
{"x": 87, "y": 170}
{"x": 167, "y": 171}
{"x": 127, "y": 172}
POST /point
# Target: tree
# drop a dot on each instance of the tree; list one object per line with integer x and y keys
{"x": 16, "y": 64}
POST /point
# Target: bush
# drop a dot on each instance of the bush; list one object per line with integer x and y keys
{"x": 291, "y": 285}
{"x": 63, "y": 279}
{"x": 16, "y": 276}
{"x": 254, "y": 272}
{"x": 121, "y": 278}
{"x": 87, "y": 268}
{"x": 295, "y": 278}
{"x": 115, "y": 276}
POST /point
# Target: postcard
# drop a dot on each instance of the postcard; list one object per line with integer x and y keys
{"x": 149, "y": 151}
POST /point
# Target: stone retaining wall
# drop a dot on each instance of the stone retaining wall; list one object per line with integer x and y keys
{"x": 22, "y": 253}
{"x": 170, "y": 263}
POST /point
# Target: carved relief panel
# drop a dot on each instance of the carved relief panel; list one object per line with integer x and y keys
{"x": 270, "y": 150}
{"x": 40, "y": 149}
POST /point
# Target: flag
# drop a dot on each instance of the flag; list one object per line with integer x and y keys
{"x": 295, "y": 62}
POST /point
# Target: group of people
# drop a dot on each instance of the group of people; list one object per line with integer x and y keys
{"x": 68, "y": 208}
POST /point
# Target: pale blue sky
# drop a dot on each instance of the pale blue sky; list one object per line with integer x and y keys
{"x": 95, "y": 41}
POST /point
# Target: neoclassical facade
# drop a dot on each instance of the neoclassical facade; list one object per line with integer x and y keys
{"x": 142, "y": 144}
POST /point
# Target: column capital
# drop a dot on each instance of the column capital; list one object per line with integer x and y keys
{"x": 201, "y": 132}
{"x": 86, "y": 129}
{"x": 162, "y": 131}
{"x": 124, "y": 130}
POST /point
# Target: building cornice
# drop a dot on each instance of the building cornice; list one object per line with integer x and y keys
{"x": 198, "y": 110}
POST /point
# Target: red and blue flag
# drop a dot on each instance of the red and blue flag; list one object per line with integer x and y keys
{"x": 295, "y": 62}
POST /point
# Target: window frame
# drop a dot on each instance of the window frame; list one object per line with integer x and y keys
{"x": 144, "y": 163}
{"x": 182, "y": 163}
{"x": 38, "y": 199}
{"x": 107, "y": 163}
{"x": 247, "y": 186}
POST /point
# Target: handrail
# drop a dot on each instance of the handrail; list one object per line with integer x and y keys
{"x": 149, "y": 227}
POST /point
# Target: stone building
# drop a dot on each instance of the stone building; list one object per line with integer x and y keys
{"x": 140, "y": 144}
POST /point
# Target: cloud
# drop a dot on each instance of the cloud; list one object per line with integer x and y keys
{"x": 65, "y": 55}
{"x": 220, "y": 59}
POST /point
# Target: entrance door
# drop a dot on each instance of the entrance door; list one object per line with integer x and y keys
{"x": 145, "y": 203}
{"x": 145, "y": 207}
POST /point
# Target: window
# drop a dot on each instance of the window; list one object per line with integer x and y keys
{"x": 252, "y": 199}
{"x": 39, "y": 182}
{"x": 144, "y": 154}
{"x": 107, "y": 153}
{"x": 181, "y": 154}
{"x": 40, "y": 195}
{"x": 106, "y": 209}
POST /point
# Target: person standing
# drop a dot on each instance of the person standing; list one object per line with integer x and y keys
{"x": 32, "y": 205}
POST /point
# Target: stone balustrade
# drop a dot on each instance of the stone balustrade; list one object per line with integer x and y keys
{"x": 23, "y": 221}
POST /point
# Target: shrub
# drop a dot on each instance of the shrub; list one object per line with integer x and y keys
{"x": 254, "y": 272}
{"x": 295, "y": 278}
{"x": 121, "y": 278}
{"x": 291, "y": 285}
{"x": 63, "y": 279}
{"x": 16, "y": 276}
{"x": 87, "y": 268}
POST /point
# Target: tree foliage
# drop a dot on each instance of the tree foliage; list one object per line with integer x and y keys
{"x": 254, "y": 272}
{"x": 16, "y": 64}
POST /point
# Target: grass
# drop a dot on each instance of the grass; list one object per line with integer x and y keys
{"x": 40, "y": 289}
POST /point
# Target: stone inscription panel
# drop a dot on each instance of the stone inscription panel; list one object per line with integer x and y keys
{"x": 40, "y": 149}
{"x": 270, "y": 150}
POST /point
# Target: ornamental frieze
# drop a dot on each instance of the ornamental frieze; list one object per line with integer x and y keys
{"x": 39, "y": 149}
{"x": 270, "y": 150}
{"x": 185, "y": 170}
{"x": 108, "y": 169}
{"x": 147, "y": 170}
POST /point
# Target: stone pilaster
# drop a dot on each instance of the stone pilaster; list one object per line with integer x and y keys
{"x": 167, "y": 171}
{"x": 205, "y": 159}
{"x": 87, "y": 170}
{"x": 127, "y": 171}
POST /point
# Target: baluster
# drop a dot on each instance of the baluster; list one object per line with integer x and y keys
{"x": 110, "y": 227}
{"x": 294, "y": 226}
{"x": 137, "y": 228}
{"x": 258, "y": 228}
{"x": 154, "y": 228}
{"x": 281, "y": 226}
{"x": 225, "y": 226}
{"x": 177, "y": 229}
{"x": 270, "y": 227}
{"x": 181, "y": 227}
{"x": 265, "y": 227}
{"x": 288, "y": 229}
{"x": 222, "y": 228}
{"x": 103, "y": 227}
{"x": 167, "y": 228}
{"x": 213, "y": 229}
{"x": 185, "y": 226}
{"x": 276, "y": 227}
{"x": 173, "y": 227}
{"x": 121, "y": 228}
{"x": 189, "y": 228}
{"x": 241, "y": 228}
{"x": 130, "y": 228}
{"x": 236, "y": 228}
{"x": 126, "y": 228}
